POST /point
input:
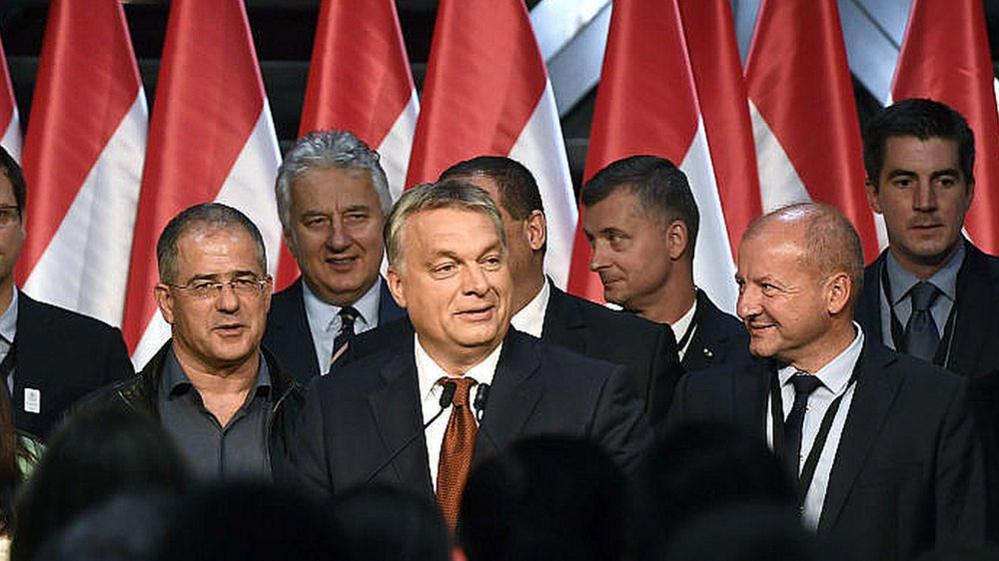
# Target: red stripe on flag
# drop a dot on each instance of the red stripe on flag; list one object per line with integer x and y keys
{"x": 798, "y": 78}
{"x": 721, "y": 93}
{"x": 209, "y": 98}
{"x": 945, "y": 56}
{"x": 484, "y": 80}
{"x": 645, "y": 105}
{"x": 7, "y": 103}
{"x": 79, "y": 101}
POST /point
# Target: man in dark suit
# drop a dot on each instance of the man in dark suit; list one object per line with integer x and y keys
{"x": 882, "y": 446}
{"x": 49, "y": 357}
{"x": 380, "y": 418}
{"x": 932, "y": 294}
{"x": 332, "y": 199}
{"x": 641, "y": 219}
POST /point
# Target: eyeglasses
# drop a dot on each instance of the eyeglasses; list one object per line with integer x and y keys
{"x": 9, "y": 214}
{"x": 204, "y": 289}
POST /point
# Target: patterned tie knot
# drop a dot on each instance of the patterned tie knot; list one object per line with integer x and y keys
{"x": 464, "y": 384}
{"x": 348, "y": 315}
{"x": 804, "y": 384}
{"x": 923, "y": 295}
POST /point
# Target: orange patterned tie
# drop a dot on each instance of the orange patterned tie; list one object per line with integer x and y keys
{"x": 456, "y": 451}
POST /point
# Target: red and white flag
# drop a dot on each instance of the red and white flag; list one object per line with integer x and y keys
{"x": 945, "y": 56}
{"x": 721, "y": 91}
{"x": 10, "y": 126}
{"x": 487, "y": 92}
{"x": 804, "y": 115}
{"x": 359, "y": 80}
{"x": 211, "y": 138}
{"x": 83, "y": 159}
{"x": 647, "y": 104}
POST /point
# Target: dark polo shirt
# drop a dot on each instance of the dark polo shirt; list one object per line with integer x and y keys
{"x": 237, "y": 450}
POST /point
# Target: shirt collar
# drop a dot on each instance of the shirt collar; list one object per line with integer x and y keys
{"x": 531, "y": 319}
{"x": 324, "y": 317}
{"x": 175, "y": 380}
{"x": 945, "y": 279}
{"x": 681, "y": 325}
{"x": 836, "y": 374}
{"x": 429, "y": 372}
{"x": 8, "y": 319}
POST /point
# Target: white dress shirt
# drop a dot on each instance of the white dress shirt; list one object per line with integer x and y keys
{"x": 680, "y": 327}
{"x": 835, "y": 377}
{"x": 324, "y": 320}
{"x": 428, "y": 373}
{"x": 531, "y": 319}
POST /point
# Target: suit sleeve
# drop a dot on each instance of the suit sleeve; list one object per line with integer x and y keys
{"x": 307, "y": 453}
{"x": 665, "y": 373}
{"x": 960, "y": 481}
{"x": 619, "y": 423}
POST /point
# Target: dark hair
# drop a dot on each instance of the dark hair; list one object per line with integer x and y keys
{"x": 551, "y": 498}
{"x": 13, "y": 172}
{"x": 661, "y": 188}
{"x": 697, "y": 468}
{"x": 249, "y": 521}
{"x": 923, "y": 119}
{"x": 99, "y": 452}
{"x": 518, "y": 190}
{"x": 212, "y": 215}
{"x": 378, "y": 522}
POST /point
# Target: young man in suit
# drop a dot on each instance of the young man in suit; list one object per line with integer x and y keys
{"x": 49, "y": 357}
{"x": 882, "y": 446}
{"x": 543, "y": 310}
{"x": 332, "y": 199}
{"x": 641, "y": 219}
{"x": 381, "y": 417}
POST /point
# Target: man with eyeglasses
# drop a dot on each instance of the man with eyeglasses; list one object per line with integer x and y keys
{"x": 49, "y": 357}
{"x": 226, "y": 403}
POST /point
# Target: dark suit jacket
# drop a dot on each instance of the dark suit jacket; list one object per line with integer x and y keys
{"x": 65, "y": 356}
{"x": 974, "y": 350}
{"x": 288, "y": 336}
{"x": 355, "y": 419}
{"x": 718, "y": 339}
{"x": 908, "y": 472}
{"x": 647, "y": 349}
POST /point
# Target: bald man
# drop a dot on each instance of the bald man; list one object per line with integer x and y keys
{"x": 882, "y": 447}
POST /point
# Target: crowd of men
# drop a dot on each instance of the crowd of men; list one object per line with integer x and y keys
{"x": 875, "y": 388}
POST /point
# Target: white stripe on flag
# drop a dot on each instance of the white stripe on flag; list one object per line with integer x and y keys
{"x": 714, "y": 270}
{"x": 541, "y": 149}
{"x": 85, "y": 265}
{"x": 11, "y": 139}
{"x": 779, "y": 182}
{"x": 396, "y": 145}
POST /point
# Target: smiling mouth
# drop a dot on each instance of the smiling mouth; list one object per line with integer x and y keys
{"x": 477, "y": 314}
{"x": 341, "y": 262}
{"x": 229, "y": 329}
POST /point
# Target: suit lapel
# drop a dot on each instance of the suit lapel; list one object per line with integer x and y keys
{"x": 395, "y": 406}
{"x": 564, "y": 322}
{"x": 868, "y": 310}
{"x": 755, "y": 381}
{"x": 292, "y": 336}
{"x": 32, "y": 326}
{"x": 970, "y": 331}
{"x": 515, "y": 391}
{"x": 877, "y": 385}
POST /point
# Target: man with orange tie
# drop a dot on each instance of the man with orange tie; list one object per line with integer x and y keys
{"x": 419, "y": 415}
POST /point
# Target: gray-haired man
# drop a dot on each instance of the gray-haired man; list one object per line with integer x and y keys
{"x": 332, "y": 200}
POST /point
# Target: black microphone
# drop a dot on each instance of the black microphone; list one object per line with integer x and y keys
{"x": 447, "y": 396}
{"x": 481, "y": 398}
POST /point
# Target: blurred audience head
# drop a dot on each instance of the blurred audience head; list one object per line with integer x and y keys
{"x": 127, "y": 527}
{"x": 96, "y": 454}
{"x": 697, "y": 468}
{"x": 550, "y": 498}
{"x": 391, "y": 524}
{"x": 249, "y": 521}
{"x": 749, "y": 532}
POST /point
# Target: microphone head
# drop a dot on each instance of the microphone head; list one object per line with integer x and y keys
{"x": 481, "y": 396}
{"x": 447, "y": 396}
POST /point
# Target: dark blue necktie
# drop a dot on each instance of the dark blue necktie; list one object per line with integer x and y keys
{"x": 804, "y": 384}
{"x": 921, "y": 335}
{"x": 348, "y": 315}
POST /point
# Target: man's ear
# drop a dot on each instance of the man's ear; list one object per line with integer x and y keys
{"x": 395, "y": 286}
{"x": 678, "y": 238}
{"x": 165, "y": 301}
{"x": 536, "y": 228}
{"x": 872, "y": 195}
{"x": 839, "y": 287}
